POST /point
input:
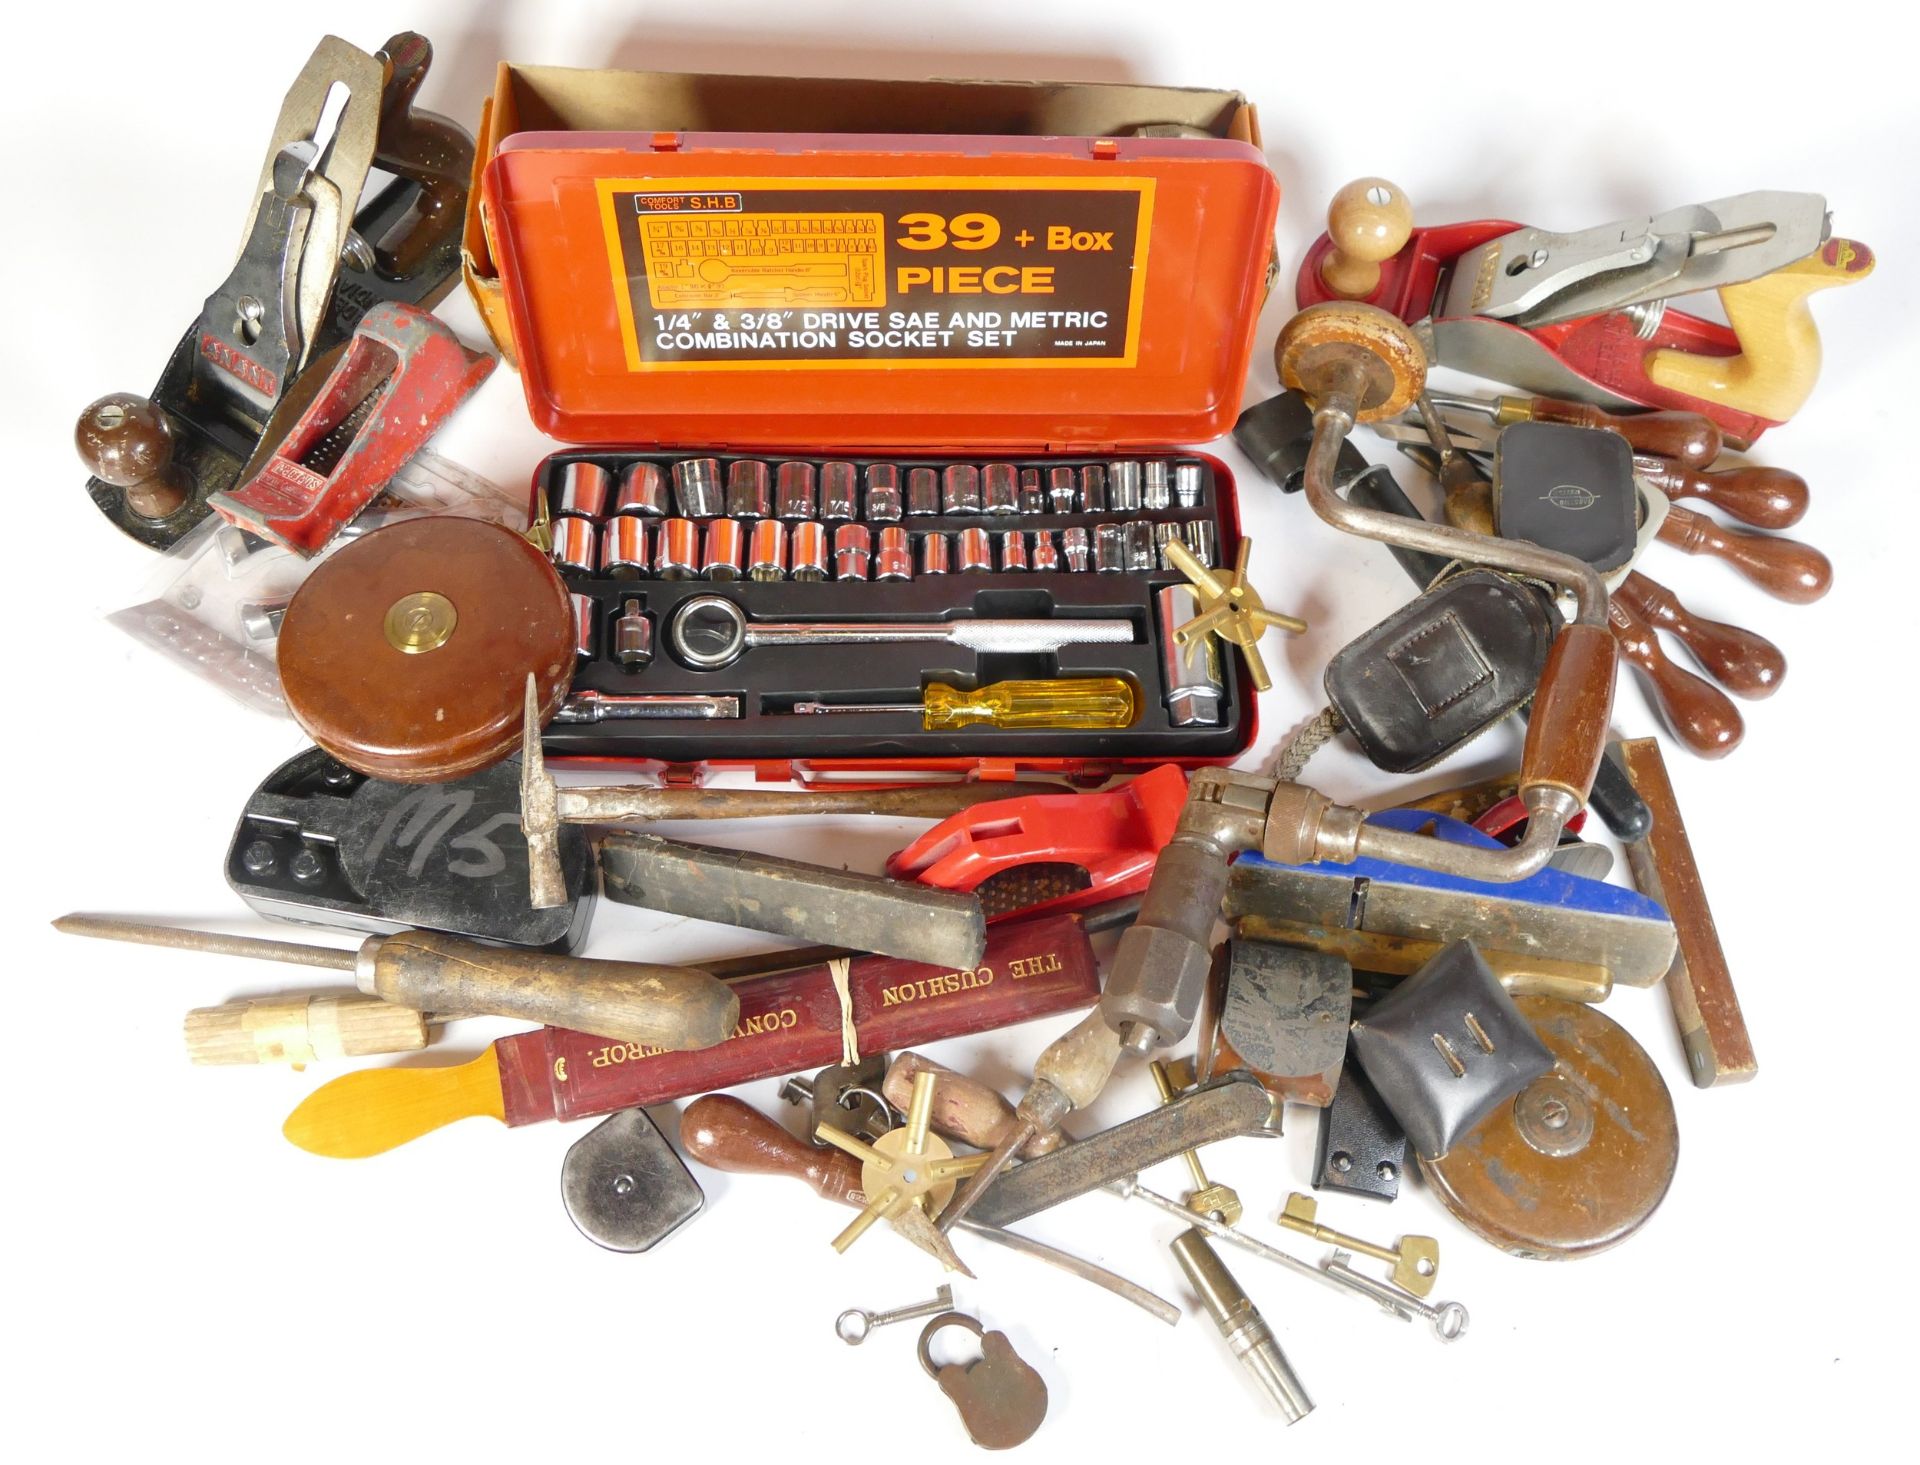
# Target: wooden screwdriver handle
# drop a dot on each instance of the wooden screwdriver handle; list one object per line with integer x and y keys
{"x": 1785, "y": 568}
{"x": 1746, "y": 663}
{"x": 669, "y": 1007}
{"x": 1682, "y": 437}
{"x": 963, "y": 1108}
{"x": 725, "y": 1134}
{"x": 1767, "y": 498}
{"x": 1699, "y": 713}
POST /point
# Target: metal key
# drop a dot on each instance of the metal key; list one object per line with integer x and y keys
{"x": 1449, "y": 1319}
{"x": 1416, "y": 1260}
{"x": 855, "y": 1323}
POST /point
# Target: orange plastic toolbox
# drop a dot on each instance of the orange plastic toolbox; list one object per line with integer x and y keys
{"x": 904, "y": 273}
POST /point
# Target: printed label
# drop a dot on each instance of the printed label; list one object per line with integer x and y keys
{"x": 737, "y": 274}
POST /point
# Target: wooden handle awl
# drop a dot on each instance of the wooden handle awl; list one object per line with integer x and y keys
{"x": 1700, "y": 714}
{"x": 298, "y": 1030}
{"x": 1785, "y": 568}
{"x": 675, "y": 1008}
{"x": 1746, "y": 663}
{"x": 725, "y": 1134}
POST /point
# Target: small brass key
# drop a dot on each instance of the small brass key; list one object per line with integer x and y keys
{"x": 1416, "y": 1260}
{"x": 1001, "y": 1399}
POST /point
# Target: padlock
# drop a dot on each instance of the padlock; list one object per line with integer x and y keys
{"x": 1001, "y": 1399}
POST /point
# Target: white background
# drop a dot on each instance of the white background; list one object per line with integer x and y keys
{"x": 179, "y": 1278}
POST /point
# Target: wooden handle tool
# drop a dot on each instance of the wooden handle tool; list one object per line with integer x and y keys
{"x": 1682, "y": 437}
{"x": 1785, "y": 568}
{"x": 963, "y": 1108}
{"x": 1767, "y": 498}
{"x": 297, "y": 1030}
{"x": 1567, "y": 733}
{"x": 1746, "y": 663}
{"x": 668, "y": 1007}
{"x": 1699, "y": 713}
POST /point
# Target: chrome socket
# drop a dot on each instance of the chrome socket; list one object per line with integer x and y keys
{"x": 852, "y": 551}
{"x": 1062, "y": 490}
{"x": 1123, "y": 486}
{"x": 676, "y": 551}
{"x": 883, "y": 494}
{"x": 936, "y": 554}
{"x": 726, "y": 550}
{"x": 1045, "y": 558}
{"x": 1000, "y": 489}
{"x": 1076, "y": 548}
{"x": 923, "y": 491}
{"x": 696, "y": 488}
{"x": 1156, "y": 484}
{"x": 1202, "y": 539}
{"x": 632, "y": 637}
{"x": 1186, "y": 485}
{"x": 767, "y": 551}
{"x": 583, "y": 627}
{"x": 584, "y": 491}
{"x": 808, "y": 549}
{"x": 623, "y": 548}
{"x": 1110, "y": 548}
{"x": 960, "y": 489}
{"x": 1013, "y": 549}
{"x": 749, "y": 490}
{"x": 839, "y": 492}
{"x": 574, "y": 541}
{"x": 974, "y": 553}
{"x": 793, "y": 495}
{"x": 1093, "y": 489}
{"x": 893, "y": 558}
{"x": 642, "y": 491}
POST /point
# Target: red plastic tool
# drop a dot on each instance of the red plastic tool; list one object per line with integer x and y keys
{"x": 399, "y": 377}
{"x": 1114, "y": 836}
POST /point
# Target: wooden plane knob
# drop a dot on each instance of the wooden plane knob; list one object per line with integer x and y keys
{"x": 1767, "y": 498}
{"x": 1368, "y": 221}
{"x": 127, "y": 441}
{"x": 1699, "y": 713}
{"x": 1744, "y": 662}
{"x": 1785, "y": 568}
{"x": 963, "y": 1108}
{"x": 725, "y": 1134}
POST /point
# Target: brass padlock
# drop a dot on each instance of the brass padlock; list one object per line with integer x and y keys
{"x": 1000, "y": 1398}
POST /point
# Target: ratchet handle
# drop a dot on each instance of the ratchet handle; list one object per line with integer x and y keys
{"x": 1699, "y": 713}
{"x": 670, "y": 1007}
{"x": 1785, "y": 568}
{"x": 1568, "y": 732}
{"x": 1744, "y": 662}
{"x": 1767, "y": 498}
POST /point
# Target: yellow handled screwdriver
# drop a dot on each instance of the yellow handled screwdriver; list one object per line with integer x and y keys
{"x": 1068, "y": 702}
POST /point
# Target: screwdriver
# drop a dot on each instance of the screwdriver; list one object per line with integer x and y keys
{"x": 1089, "y": 702}
{"x": 671, "y": 1007}
{"x": 1685, "y": 437}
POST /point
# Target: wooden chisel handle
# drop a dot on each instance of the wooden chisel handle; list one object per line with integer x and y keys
{"x": 1746, "y": 663}
{"x": 725, "y": 1134}
{"x": 668, "y": 1007}
{"x": 1767, "y": 498}
{"x": 1684, "y": 437}
{"x": 963, "y": 1108}
{"x": 1699, "y": 713}
{"x": 1785, "y": 568}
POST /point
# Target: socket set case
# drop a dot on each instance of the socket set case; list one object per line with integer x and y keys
{"x": 892, "y": 275}
{"x": 769, "y": 681}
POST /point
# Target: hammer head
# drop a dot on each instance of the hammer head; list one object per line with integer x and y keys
{"x": 539, "y": 813}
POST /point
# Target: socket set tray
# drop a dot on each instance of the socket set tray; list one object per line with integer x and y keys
{"x": 650, "y": 569}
